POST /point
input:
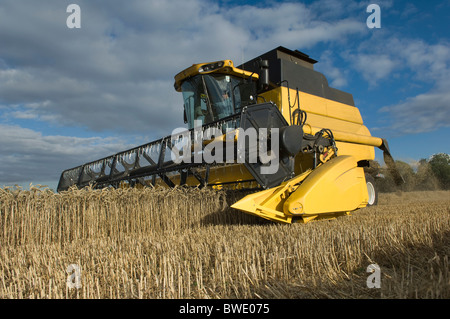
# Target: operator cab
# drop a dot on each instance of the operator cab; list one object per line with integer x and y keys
{"x": 214, "y": 91}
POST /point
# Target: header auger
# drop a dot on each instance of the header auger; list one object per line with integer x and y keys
{"x": 272, "y": 125}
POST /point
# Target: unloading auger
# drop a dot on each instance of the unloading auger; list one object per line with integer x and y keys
{"x": 272, "y": 125}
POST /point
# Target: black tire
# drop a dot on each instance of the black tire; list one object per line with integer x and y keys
{"x": 372, "y": 190}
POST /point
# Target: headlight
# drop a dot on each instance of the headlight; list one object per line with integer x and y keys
{"x": 210, "y": 66}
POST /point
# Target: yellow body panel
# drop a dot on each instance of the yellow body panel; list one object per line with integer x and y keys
{"x": 345, "y": 121}
{"x": 312, "y": 104}
{"x": 335, "y": 188}
{"x": 358, "y": 151}
{"x": 269, "y": 203}
{"x": 232, "y": 173}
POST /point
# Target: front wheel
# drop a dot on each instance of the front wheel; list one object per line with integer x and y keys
{"x": 372, "y": 190}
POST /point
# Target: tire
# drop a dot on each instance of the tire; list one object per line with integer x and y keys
{"x": 372, "y": 190}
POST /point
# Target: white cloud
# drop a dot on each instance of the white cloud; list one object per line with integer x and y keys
{"x": 22, "y": 115}
{"x": 410, "y": 9}
{"x": 427, "y": 63}
{"x": 422, "y": 113}
{"x": 27, "y": 155}
{"x": 374, "y": 67}
{"x": 293, "y": 25}
{"x": 337, "y": 77}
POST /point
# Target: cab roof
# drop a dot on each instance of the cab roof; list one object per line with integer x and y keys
{"x": 219, "y": 67}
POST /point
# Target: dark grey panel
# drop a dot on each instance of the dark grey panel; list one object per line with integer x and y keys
{"x": 297, "y": 69}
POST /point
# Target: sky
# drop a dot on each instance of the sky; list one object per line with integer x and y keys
{"x": 73, "y": 95}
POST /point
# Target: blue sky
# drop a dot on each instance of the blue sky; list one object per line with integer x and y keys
{"x": 69, "y": 96}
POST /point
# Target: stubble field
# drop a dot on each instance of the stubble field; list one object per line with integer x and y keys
{"x": 180, "y": 243}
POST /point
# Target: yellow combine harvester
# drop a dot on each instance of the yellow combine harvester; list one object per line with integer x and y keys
{"x": 272, "y": 125}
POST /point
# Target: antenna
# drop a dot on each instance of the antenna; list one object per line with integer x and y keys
{"x": 242, "y": 56}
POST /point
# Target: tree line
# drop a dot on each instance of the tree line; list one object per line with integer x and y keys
{"x": 430, "y": 174}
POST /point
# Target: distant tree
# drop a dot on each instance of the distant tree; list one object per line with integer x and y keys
{"x": 425, "y": 177}
{"x": 440, "y": 165}
{"x": 432, "y": 174}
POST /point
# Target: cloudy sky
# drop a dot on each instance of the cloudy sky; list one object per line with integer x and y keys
{"x": 73, "y": 95}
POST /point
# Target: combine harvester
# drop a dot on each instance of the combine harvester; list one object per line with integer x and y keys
{"x": 272, "y": 125}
